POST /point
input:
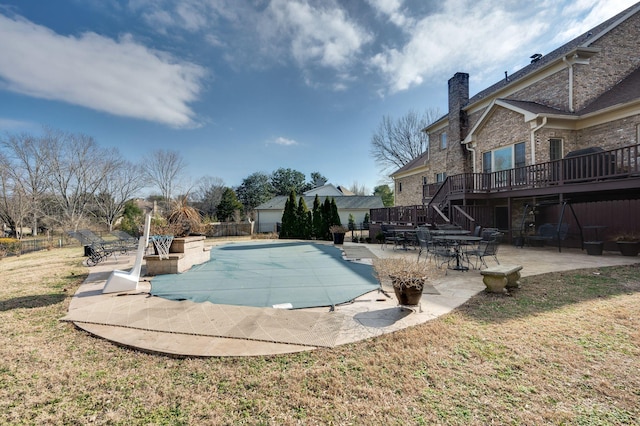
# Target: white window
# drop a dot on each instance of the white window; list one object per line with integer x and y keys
{"x": 424, "y": 180}
{"x": 505, "y": 158}
{"x": 555, "y": 149}
{"x": 441, "y": 177}
{"x": 443, "y": 140}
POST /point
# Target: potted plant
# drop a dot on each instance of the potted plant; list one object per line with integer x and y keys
{"x": 338, "y": 232}
{"x": 628, "y": 244}
{"x": 594, "y": 248}
{"x": 407, "y": 277}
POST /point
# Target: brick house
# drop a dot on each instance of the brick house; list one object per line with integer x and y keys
{"x": 555, "y": 142}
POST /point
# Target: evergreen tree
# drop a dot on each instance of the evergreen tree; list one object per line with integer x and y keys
{"x": 326, "y": 219}
{"x": 317, "y": 219}
{"x": 288, "y": 228}
{"x": 131, "y": 219}
{"x": 352, "y": 222}
{"x": 229, "y": 204}
{"x": 335, "y": 217}
{"x": 304, "y": 224}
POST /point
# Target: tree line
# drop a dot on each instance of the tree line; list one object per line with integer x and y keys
{"x": 299, "y": 222}
{"x": 64, "y": 181}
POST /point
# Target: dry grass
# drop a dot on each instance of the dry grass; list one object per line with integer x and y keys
{"x": 564, "y": 349}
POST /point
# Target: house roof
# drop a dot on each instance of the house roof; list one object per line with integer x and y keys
{"x": 352, "y": 202}
{"x": 583, "y": 41}
{"x": 624, "y": 92}
{"x": 416, "y": 162}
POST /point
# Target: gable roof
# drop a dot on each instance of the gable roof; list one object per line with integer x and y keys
{"x": 582, "y": 43}
{"x": 352, "y": 202}
{"x": 626, "y": 91}
{"x": 324, "y": 190}
{"x": 416, "y": 162}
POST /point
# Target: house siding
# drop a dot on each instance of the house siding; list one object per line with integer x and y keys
{"x": 503, "y": 128}
{"x": 592, "y": 120}
{"x": 411, "y": 193}
{"x": 612, "y": 134}
{"x": 552, "y": 91}
{"x": 619, "y": 56}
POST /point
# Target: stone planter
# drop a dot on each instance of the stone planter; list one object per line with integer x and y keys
{"x": 629, "y": 248}
{"x": 594, "y": 248}
{"x": 183, "y": 254}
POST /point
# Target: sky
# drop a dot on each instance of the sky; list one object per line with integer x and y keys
{"x": 245, "y": 86}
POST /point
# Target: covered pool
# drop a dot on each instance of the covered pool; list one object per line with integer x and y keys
{"x": 271, "y": 274}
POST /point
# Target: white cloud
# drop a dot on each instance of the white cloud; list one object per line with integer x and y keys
{"x": 393, "y": 10}
{"x": 284, "y": 141}
{"x": 7, "y": 124}
{"x": 322, "y": 36}
{"x": 120, "y": 77}
{"x": 478, "y": 36}
{"x": 464, "y": 36}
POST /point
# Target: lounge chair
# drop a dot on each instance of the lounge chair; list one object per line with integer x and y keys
{"x": 121, "y": 281}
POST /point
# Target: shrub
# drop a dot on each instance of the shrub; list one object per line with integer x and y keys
{"x": 9, "y": 246}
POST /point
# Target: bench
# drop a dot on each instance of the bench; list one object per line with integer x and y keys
{"x": 548, "y": 232}
{"x": 500, "y": 278}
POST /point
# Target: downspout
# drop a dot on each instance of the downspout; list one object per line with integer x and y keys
{"x": 570, "y": 66}
{"x": 533, "y": 139}
{"x": 473, "y": 155}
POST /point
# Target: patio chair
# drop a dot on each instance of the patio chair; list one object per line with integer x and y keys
{"x": 120, "y": 281}
{"x": 485, "y": 248}
{"x": 443, "y": 252}
{"x": 125, "y": 240}
{"x": 392, "y": 236}
{"x": 425, "y": 242}
{"x": 487, "y": 233}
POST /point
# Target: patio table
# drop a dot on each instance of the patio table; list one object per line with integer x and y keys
{"x": 450, "y": 232}
{"x": 457, "y": 242}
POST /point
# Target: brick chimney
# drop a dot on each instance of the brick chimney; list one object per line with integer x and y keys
{"x": 458, "y": 98}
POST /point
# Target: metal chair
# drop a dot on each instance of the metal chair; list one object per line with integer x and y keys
{"x": 486, "y": 248}
{"x": 425, "y": 242}
{"x": 391, "y": 236}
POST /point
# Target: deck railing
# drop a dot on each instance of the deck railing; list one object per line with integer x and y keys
{"x": 598, "y": 166}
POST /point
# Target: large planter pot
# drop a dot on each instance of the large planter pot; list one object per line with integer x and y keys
{"x": 338, "y": 238}
{"x": 408, "y": 295}
{"x": 594, "y": 248}
{"x": 629, "y": 248}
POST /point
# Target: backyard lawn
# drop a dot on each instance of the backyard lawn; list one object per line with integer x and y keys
{"x": 563, "y": 349}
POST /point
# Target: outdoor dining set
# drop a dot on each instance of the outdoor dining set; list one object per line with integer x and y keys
{"x": 449, "y": 244}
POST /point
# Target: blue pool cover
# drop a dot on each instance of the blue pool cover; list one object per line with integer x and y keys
{"x": 286, "y": 274}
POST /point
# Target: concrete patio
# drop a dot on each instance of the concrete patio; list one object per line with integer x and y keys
{"x": 185, "y": 328}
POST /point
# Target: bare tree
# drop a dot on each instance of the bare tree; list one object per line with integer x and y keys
{"x": 397, "y": 142}
{"x": 208, "y": 194}
{"x": 13, "y": 206}
{"x": 119, "y": 186}
{"x": 163, "y": 169}
{"x": 358, "y": 189}
{"x": 76, "y": 166}
{"x": 27, "y": 168}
